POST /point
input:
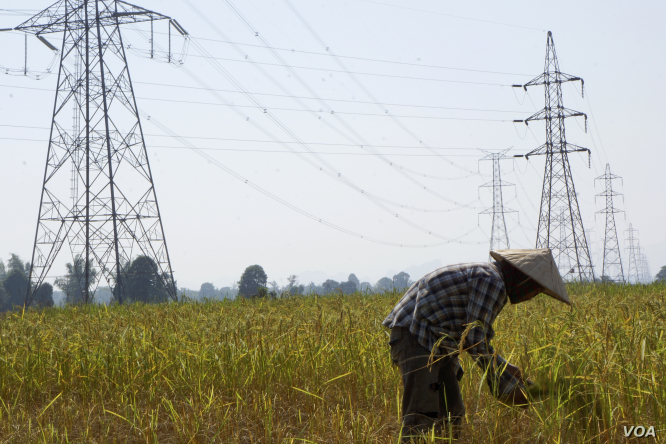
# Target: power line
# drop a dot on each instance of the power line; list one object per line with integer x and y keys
{"x": 267, "y": 193}
{"x": 351, "y": 75}
{"x": 429, "y": 79}
{"x": 272, "y": 117}
{"x": 289, "y": 109}
{"x": 364, "y": 144}
{"x": 330, "y": 170}
{"x": 296, "y": 97}
{"x": 337, "y": 100}
{"x": 324, "y": 112}
{"x": 403, "y": 206}
{"x": 267, "y": 45}
{"x": 260, "y": 151}
{"x": 265, "y": 141}
{"x": 281, "y": 125}
{"x": 424, "y": 187}
{"x": 455, "y": 16}
{"x": 393, "y": 62}
{"x": 402, "y": 170}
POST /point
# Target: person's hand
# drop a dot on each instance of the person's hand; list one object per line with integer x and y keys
{"x": 518, "y": 374}
{"x": 514, "y": 371}
{"x": 516, "y": 398}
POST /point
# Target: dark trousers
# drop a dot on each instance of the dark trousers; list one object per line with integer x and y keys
{"x": 431, "y": 398}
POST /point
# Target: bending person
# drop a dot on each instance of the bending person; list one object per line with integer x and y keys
{"x": 451, "y": 310}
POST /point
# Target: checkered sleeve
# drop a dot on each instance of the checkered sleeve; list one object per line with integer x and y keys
{"x": 486, "y": 293}
{"x": 456, "y": 302}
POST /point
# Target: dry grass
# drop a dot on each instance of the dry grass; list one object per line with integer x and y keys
{"x": 317, "y": 370}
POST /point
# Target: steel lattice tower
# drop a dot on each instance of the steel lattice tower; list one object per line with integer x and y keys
{"x": 644, "y": 273}
{"x": 499, "y": 238}
{"x": 98, "y": 194}
{"x": 612, "y": 264}
{"x": 644, "y": 267}
{"x": 648, "y": 271}
{"x": 568, "y": 241}
{"x": 562, "y": 214}
{"x": 633, "y": 273}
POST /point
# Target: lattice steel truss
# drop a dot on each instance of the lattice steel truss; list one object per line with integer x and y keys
{"x": 563, "y": 234}
{"x": 644, "y": 269}
{"x": 499, "y": 237}
{"x": 612, "y": 265}
{"x": 98, "y": 195}
{"x": 634, "y": 274}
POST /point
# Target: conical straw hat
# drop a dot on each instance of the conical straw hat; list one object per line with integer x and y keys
{"x": 538, "y": 265}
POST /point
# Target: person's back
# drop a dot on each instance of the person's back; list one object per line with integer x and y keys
{"x": 452, "y": 310}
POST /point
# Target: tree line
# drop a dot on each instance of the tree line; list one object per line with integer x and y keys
{"x": 14, "y": 286}
{"x": 140, "y": 283}
{"x": 254, "y": 283}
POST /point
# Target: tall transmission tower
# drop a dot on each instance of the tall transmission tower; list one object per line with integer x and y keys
{"x": 499, "y": 238}
{"x": 568, "y": 242}
{"x": 98, "y": 194}
{"x": 644, "y": 269}
{"x": 633, "y": 272}
{"x": 612, "y": 263}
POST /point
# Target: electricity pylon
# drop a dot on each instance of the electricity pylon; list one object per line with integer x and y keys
{"x": 561, "y": 214}
{"x": 644, "y": 269}
{"x": 612, "y": 264}
{"x": 499, "y": 238}
{"x": 568, "y": 243}
{"x": 105, "y": 207}
{"x": 633, "y": 273}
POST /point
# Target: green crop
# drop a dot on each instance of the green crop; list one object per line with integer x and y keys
{"x": 317, "y": 369}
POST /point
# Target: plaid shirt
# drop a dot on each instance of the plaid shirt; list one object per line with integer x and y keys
{"x": 443, "y": 303}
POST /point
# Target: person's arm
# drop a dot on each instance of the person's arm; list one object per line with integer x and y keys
{"x": 485, "y": 301}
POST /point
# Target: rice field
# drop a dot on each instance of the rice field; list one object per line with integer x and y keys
{"x": 316, "y": 370}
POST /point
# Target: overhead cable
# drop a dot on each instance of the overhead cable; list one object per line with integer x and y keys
{"x": 366, "y": 59}
{"x": 455, "y": 16}
{"x": 298, "y": 97}
{"x": 330, "y": 170}
{"x": 363, "y": 88}
{"x": 286, "y": 141}
{"x": 399, "y": 168}
{"x": 375, "y": 74}
{"x": 245, "y": 150}
{"x": 252, "y": 99}
{"x": 267, "y": 193}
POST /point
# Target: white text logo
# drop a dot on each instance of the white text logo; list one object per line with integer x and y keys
{"x": 639, "y": 431}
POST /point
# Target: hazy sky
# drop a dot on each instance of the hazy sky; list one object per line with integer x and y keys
{"x": 423, "y": 73}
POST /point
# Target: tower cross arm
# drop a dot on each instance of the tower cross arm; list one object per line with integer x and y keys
{"x": 606, "y": 193}
{"x": 497, "y": 183}
{"x": 612, "y": 210}
{"x": 493, "y": 210}
{"x": 555, "y": 113}
{"x": 63, "y": 15}
{"x": 543, "y": 149}
{"x": 608, "y": 175}
{"x": 552, "y": 77}
{"x": 548, "y": 149}
{"x": 501, "y": 155}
